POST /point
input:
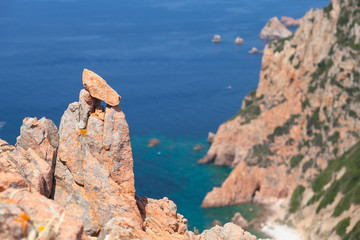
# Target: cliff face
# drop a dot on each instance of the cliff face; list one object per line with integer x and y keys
{"x": 304, "y": 113}
{"x": 78, "y": 182}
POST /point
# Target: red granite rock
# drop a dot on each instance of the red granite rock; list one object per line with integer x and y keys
{"x": 98, "y": 88}
{"x": 37, "y": 216}
{"x": 274, "y": 29}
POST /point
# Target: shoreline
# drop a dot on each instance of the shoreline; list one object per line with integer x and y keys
{"x": 281, "y": 232}
{"x": 274, "y": 225}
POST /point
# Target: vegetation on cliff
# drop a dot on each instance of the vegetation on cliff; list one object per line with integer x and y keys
{"x": 309, "y": 97}
{"x": 251, "y": 108}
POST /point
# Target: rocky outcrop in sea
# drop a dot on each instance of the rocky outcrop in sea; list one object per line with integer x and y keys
{"x": 274, "y": 29}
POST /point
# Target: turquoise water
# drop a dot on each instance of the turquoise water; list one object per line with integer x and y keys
{"x": 170, "y": 169}
{"x": 158, "y": 55}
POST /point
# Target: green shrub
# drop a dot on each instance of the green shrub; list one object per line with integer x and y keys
{"x": 329, "y": 196}
{"x": 356, "y": 77}
{"x": 321, "y": 180}
{"x": 353, "y": 114}
{"x": 251, "y": 110}
{"x": 284, "y": 129}
{"x": 303, "y": 144}
{"x": 306, "y": 104}
{"x": 318, "y": 140}
{"x": 341, "y": 227}
{"x": 323, "y": 82}
{"x": 296, "y": 198}
{"x": 328, "y": 9}
{"x": 279, "y": 44}
{"x": 324, "y": 66}
{"x": 348, "y": 184}
{"x": 314, "y": 121}
{"x": 307, "y": 165}
{"x": 342, "y": 206}
{"x": 289, "y": 142}
{"x": 291, "y": 58}
{"x": 295, "y": 160}
{"x": 352, "y": 90}
{"x": 261, "y": 150}
{"x": 315, "y": 198}
{"x": 344, "y": 16}
{"x": 298, "y": 65}
{"x": 259, "y": 153}
{"x": 354, "y": 234}
{"x": 311, "y": 89}
{"x": 334, "y": 138}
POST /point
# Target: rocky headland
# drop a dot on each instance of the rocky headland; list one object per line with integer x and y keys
{"x": 294, "y": 145}
{"x": 290, "y": 22}
{"x": 274, "y": 29}
{"x": 77, "y": 182}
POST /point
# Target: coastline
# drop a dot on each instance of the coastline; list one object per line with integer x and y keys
{"x": 274, "y": 227}
{"x": 281, "y": 232}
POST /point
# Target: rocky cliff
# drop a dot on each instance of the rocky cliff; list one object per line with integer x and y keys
{"x": 304, "y": 113}
{"x": 78, "y": 182}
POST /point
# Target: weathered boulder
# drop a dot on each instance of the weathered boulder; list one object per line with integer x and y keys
{"x": 163, "y": 213}
{"x": 36, "y": 217}
{"x": 161, "y": 221}
{"x": 12, "y": 179}
{"x": 289, "y": 21}
{"x": 40, "y": 135}
{"x": 14, "y": 222}
{"x": 229, "y": 231}
{"x": 98, "y": 88}
{"x": 239, "y": 220}
{"x": 16, "y": 162}
{"x": 274, "y": 29}
{"x": 122, "y": 228}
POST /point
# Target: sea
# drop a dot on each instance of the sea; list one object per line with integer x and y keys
{"x": 176, "y": 84}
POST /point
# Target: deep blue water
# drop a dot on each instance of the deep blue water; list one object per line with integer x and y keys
{"x": 159, "y": 56}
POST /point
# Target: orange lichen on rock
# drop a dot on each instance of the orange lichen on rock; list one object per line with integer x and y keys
{"x": 24, "y": 220}
{"x": 83, "y": 132}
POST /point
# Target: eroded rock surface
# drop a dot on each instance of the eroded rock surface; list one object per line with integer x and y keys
{"x": 230, "y": 231}
{"x": 99, "y": 89}
{"x": 41, "y": 136}
{"x": 38, "y": 217}
{"x": 26, "y": 168}
{"x": 239, "y": 220}
{"x": 94, "y": 168}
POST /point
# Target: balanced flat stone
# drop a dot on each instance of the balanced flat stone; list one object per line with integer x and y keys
{"x": 98, "y": 88}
